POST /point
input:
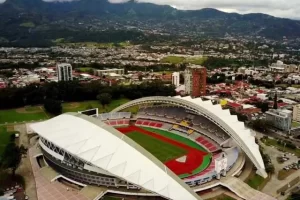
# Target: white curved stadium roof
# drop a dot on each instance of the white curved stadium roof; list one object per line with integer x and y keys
{"x": 222, "y": 118}
{"x": 106, "y": 148}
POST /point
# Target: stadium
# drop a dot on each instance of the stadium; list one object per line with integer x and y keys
{"x": 171, "y": 148}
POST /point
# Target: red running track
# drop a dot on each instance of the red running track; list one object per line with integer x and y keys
{"x": 194, "y": 156}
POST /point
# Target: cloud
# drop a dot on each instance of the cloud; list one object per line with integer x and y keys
{"x": 278, "y": 8}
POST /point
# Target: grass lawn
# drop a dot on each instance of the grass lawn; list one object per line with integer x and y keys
{"x": 4, "y": 138}
{"x": 255, "y": 181}
{"x": 272, "y": 142}
{"x": 283, "y": 174}
{"x": 196, "y": 60}
{"x": 163, "y": 151}
{"x": 295, "y": 124}
{"x": 11, "y": 116}
{"x": 35, "y": 113}
{"x": 175, "y": 137}
{"x": 85, "y": 69}
{"x": 173, "y": 59}
{"x": 80, "y": 106}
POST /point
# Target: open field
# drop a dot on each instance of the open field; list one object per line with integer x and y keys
{"x": 178, "y": 60}
{"x": 173, "y": 59}
{"x": 35, "y": 113}
{"x": 163, "y": 151}
{"x": 33, "y": 109}
{"x": 79, "y": 106}
{"x": 13, "y": 115}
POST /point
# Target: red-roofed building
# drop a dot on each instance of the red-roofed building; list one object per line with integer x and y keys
{"x": 2, "y": 85}
{"x": 234, "y": 106}
{"x": 249, "y": 112}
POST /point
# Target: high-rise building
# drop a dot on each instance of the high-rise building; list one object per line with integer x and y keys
{"x": 281, "y": 119}
{"x": 195, "y": 81}
{"x": 176, "y": 79}
{"x": 296, "y": 112}
{"x": 64, "y": 72}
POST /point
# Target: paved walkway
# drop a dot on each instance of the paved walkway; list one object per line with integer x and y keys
{"x": 244, "y": 190}
{"x": 25, "y": 169}
{"x": 47, "y": 190}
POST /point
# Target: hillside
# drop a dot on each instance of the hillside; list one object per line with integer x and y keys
{"x": 27, "y": 22}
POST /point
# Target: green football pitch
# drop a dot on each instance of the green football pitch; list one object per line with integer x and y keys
{"x": 163, "y": 151}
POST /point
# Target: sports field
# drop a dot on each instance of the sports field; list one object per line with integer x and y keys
{"x": 183, "y": 156}
{"x": 161, "y": 150}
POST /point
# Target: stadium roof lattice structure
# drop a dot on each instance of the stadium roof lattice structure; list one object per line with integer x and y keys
{"x": 104, "y": 147}
{"x": 222, "y": 118}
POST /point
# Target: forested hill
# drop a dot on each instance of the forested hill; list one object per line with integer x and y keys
{"x": 36, "y": 20}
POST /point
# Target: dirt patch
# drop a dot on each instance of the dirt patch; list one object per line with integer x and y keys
{"x": 71, "y": 105}
{"x": 10, "y": 128}
{"x": 23, "y": 110}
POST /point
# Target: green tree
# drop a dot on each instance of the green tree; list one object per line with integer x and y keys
{"x": 259, "y": 125}
{"x": 53, "y": 106}
{"x": 12, "y": 157}
{"x": 270, "y": 169}
{"x": 104, "y": 99}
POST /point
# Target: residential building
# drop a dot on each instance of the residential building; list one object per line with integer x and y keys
{"x": 195, "y": 80}
{"x": 108, "y": 71}
{"x": 176, "y": 79}
{"x": 64, "y": 72}
{"x": 280, "y": 67}
{"x": 296, "y": 113}
{"x": 281, "y": 119}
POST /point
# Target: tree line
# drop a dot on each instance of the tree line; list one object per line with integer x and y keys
{"x": 71, "y": 91}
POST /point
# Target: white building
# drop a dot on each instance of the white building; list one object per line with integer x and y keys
{"x": 281, "y": 119}
{"x": 64, "y": 72}
{"x": 109, "y": 71}
{"x": 279, "y": 66}
{"x": 176, "y": 79}
{"x": 296, "y": 113}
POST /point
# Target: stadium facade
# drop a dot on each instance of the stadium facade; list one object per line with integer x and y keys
{"x": 90, "y": 151}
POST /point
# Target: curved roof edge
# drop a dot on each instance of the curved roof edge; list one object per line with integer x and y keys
{"x": 222, "y": 118}
{"x": 105, "y": 147}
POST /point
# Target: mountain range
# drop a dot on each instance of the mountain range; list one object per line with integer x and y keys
{"x": 27, "y": 21}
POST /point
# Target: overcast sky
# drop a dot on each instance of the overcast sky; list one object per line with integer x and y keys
{"x": 279, "y": 8}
